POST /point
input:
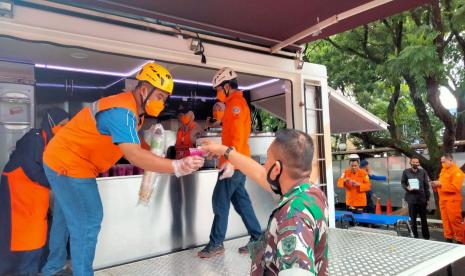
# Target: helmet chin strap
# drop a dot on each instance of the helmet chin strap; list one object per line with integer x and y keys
{"x": 144, "y": 102}
{"x": 226, "y": 92}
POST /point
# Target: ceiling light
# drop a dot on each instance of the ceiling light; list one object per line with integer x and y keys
{"x": 257, "y": 85}
{"x": 135, "y": 70}
{"x": 79, "y": 55}
{"x": 90, "y": 71}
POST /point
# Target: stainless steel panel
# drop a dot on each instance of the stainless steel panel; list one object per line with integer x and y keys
{"x": 339, "y": 194}
{"x": 179, "y": 216}
{"x": 338, "y": 169}
{"x": 16, "y": 112}
{"x": 380, "y": 188}
{"x": 350, "y": 253}
{"x": 10, "y": 134}
{"x": 259, "y": 144}
{"x": 186, "y": 263}
{"x": 396, "y": 166}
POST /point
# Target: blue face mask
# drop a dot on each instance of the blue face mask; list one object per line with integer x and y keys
{"x": 274, "y": 184}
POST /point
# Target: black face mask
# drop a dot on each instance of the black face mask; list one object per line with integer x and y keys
{"x": 274, "y": 184}
{"x": 414, "y": 167}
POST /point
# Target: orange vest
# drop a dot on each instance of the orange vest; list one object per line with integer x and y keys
{"x": 79, "y": 150}
{"x": 29, "y": 203}
{"x": 355, "y": 196}
{"x": 451, "y": 180}
{"x": 183, "y": 141}
{"x": 236, "y": 123}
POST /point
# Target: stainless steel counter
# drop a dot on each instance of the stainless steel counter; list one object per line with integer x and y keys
{"x": 179, "y": 216}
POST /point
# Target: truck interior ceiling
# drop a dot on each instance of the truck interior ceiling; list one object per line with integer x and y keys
{"x": 71, "y": 78}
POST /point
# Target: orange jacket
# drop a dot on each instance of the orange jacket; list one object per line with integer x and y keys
{"x": 183, "y": 141}
{"x": 355, "y": 196}
{"x": 79, "y": 150}
{"x": 237, "y": 123}
{"x": 451, "y": 180}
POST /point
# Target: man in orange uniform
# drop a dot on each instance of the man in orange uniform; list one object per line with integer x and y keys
{"x": 356, "y": 182}
{"x": 449, "y": 189}
{"x": 230, "y": 187}
{"x": 188, "y": 132}
{"x": 93, "y": 141}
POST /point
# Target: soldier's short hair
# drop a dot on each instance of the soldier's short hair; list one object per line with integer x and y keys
{"x": 294, "y": 149}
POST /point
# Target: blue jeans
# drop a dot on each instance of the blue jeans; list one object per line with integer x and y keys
{"x": 58, "y": 238}
{"x": 232, "y": 190}
{"x": 79, "y": 209}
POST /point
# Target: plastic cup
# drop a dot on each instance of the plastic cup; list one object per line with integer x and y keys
{"x": 129, "y": 169}
{"x": 113, "y": 171}
{"x": 121, "y": 170}
{"x": 197, "y": 152}
{"x": 138, "y": 171}
{"x": 105, "y": 174}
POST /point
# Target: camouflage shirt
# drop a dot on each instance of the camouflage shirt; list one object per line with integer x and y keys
{"x": 296, "y": 236}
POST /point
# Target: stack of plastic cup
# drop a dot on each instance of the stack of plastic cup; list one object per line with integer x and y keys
{"x": 129, "y": 169}
{"x": 138, "y": 171}
{"x": 105, "y": 174}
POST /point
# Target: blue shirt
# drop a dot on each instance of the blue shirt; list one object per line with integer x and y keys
{"x": 377, "y": 177}
{"x": 120, "y": 124}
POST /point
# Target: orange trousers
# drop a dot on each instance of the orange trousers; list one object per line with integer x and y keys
{"x": 451, "y": 214}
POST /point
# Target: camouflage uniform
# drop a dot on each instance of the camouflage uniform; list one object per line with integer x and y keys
{"x": 296, "y": 236}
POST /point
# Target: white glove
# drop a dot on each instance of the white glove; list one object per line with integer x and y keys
{"x": 187, "y": 165}
{"x": 227, "y": 169}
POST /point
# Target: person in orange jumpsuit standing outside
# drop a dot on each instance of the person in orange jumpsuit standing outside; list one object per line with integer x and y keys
{"x": 230, "y": 187}
{"x": 356, "y": 182}
{"x": 449, "y": 188}
{"x": 188, "y": 133}
{"x": 93, "y": 141}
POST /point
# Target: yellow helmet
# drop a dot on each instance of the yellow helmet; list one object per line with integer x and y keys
{"x": 156, "y": 75}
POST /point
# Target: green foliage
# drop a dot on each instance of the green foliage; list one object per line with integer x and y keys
{"x": 268, "y": 121}
{"x": 367, "y": 62}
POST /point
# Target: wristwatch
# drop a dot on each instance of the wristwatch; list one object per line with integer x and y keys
{"x": 226, "y": 153}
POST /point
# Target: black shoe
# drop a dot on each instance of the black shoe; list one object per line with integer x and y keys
{"x": 245, "y": 249}
{"x": 211, "y": 251}
{"x": 449, "y": 240}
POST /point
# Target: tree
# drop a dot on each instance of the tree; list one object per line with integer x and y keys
{"x": 395, "y": 67}
{"x": 265, "y": 121}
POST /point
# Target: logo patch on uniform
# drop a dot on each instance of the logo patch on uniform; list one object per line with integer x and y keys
{"x": 289, "y": 244}
{"x": 236, "y": 110}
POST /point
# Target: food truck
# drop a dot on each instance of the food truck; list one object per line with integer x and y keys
{"x": 70, "y": 54}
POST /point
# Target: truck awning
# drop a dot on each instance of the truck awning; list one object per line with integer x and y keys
{"x": 348, "y": 117}
{"x": 273, "y": 24}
